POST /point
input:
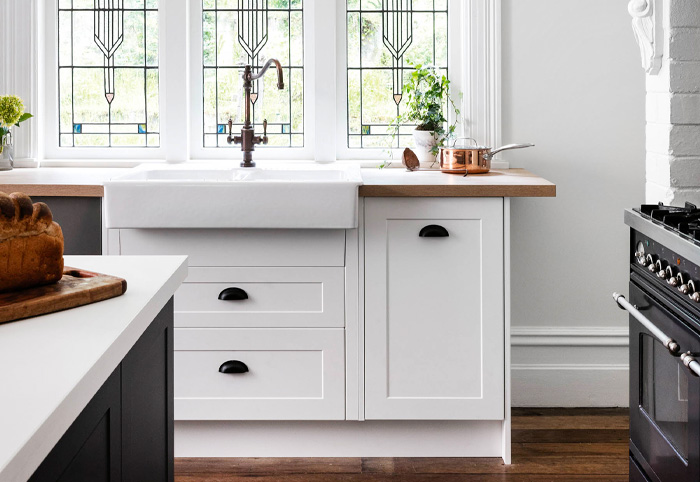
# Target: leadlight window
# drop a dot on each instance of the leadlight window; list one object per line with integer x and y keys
{"x": 108, "y": 73}
{"x": 384, "y": 37}
{"x": 240, "y": 32}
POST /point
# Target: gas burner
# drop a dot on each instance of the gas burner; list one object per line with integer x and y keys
{"x": 683, "y": 220}
{"x": 658, "y": 211}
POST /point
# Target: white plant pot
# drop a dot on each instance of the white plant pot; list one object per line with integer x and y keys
{"x": 425, "y": 141}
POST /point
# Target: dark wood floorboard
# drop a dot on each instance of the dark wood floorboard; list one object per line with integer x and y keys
{"x": 548, "y": 445}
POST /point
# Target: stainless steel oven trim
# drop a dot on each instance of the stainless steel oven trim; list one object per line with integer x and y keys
{"x": 658, "y": 233}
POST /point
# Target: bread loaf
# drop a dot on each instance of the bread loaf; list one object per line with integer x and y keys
{"x": 31, "y": 244}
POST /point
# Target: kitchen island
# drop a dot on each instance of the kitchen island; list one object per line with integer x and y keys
{"x": 52, "y": 367}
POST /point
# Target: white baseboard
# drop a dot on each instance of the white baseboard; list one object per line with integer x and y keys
{"x": 570, "y": 367}
{"x": 408, "y": 438}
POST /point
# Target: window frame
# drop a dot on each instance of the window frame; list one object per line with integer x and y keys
{"x": 50, "y": 108}
{"x": 200, "y": 153}
{"x": 474, "y": 58}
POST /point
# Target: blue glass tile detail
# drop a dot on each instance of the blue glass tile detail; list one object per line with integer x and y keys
{"x": 142, "y": 128}
{"x": 77, "y": 128}
{"x": 286, "y": 128}
{"x": 222, "y": 129}
{"x": 365, "y": 130}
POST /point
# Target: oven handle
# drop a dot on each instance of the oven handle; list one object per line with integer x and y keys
{"x": 667, "y": 341}
{"x": 691, "y": 363}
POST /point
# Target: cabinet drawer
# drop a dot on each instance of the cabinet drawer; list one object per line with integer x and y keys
{"x": 274, "y": 298}
{"x": 292, "y": 374}
{"x": 239, "y": 247}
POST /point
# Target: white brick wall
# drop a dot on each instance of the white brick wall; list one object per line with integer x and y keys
{"x": 673, "y": 110}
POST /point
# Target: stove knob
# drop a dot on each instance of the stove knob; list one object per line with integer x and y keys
{"x": 660, "y": 270}
{"x": 671, "y": 277}
{"x": 684, "y": 288}
{"x": 650, "y": 263}
{"x": 694, "y": 295}
{"x": 641, "y": 259}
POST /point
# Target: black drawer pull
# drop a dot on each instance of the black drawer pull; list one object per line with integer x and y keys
{"x": 233, "y": 294}
{"x": 434, "y": 231}
{"x": 233, "y": 366}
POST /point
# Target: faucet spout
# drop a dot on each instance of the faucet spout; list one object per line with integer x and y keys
{"x": 248, "y": 139}
{"x": 268, "y": 64}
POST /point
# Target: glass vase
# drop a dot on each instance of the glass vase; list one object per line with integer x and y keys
{"x": 6, "y": 152}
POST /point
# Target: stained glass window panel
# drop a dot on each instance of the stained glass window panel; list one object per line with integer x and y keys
{"x": 108, "y": 73}
{"x": 384, "y": 38}
{"x": 249, "y": 32}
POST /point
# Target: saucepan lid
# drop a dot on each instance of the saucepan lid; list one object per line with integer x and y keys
{"x": 460, "y": 141}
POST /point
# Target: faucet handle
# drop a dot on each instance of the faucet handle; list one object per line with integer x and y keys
{"x": 264, "y": 138}
{"x": 230, "y": 138}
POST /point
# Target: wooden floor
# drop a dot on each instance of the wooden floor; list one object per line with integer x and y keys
{"x": 548, "y": 445}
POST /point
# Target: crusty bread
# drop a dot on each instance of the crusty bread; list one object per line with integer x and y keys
{"x": 31, "y": 244}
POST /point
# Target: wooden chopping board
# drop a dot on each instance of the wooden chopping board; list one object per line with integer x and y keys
{"x": 76, "y": 288}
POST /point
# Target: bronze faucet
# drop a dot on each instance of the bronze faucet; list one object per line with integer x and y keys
{"x": 248, "y": 139}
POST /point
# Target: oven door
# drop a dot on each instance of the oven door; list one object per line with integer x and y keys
{"x": 664, "y": 394}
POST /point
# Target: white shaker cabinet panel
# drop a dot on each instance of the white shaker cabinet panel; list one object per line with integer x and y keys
{"x": 289, "y": 374}
{"x": 434, "y": 309}
{"x": 239, "y": 247}
{"x": 272, "y": 298}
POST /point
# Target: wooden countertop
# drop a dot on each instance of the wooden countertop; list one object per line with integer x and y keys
{"x": 88, "y": 182}
{"x": 58, "y": 181}
{"x": 497, "y": 183}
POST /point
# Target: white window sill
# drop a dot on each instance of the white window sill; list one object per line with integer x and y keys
{"x": 126, "y": 163}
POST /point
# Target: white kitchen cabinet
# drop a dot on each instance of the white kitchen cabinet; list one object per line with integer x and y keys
{"x": 285, "y": 297}
{"x": 237, "y": 247}
{"x": 290, "y": 374}
{"x": 434, "y": 309}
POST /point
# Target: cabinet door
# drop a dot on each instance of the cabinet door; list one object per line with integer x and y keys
{"x": 434, "y": 309}
{"x": 90, "y": 451}
{"x": 147, "y": 403}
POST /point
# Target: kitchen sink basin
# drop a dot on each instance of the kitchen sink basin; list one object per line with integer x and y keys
{"x": 309, "y": 197}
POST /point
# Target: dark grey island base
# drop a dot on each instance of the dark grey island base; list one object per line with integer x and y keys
{"x": 125, "y": 433}
{"x": 81, "y": 221}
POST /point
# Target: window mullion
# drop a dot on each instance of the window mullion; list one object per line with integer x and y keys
{"x": 174, "y": 79}
{"x": 324, "y": 94}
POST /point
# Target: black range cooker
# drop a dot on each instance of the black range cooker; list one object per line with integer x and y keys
{"x": 664, "y": 308}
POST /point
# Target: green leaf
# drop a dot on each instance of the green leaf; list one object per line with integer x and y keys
{"x": 24, "y": 117}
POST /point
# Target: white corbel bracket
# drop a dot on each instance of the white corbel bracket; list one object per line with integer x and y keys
{"x": 648, "y": 30}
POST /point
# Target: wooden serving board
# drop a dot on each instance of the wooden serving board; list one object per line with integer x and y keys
{"x": 76, "y": 288}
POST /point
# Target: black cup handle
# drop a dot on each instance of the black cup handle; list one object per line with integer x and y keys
{"x": 233, "y": 294}
{"x": 434, "y": 231}
{"x": 233, "y": 366}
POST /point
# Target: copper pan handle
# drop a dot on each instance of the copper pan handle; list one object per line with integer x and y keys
{"x": 489, "y": 155}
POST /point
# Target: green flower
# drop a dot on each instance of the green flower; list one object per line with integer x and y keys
{"x": 11, "y": 110}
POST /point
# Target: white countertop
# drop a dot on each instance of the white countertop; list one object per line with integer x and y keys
{"x": 51, "y": 366}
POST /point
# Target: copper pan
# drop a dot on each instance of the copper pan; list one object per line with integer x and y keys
{"x": 471, "y": 159}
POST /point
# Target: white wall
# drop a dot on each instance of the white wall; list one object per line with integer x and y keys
{"x": 574, "y": 86}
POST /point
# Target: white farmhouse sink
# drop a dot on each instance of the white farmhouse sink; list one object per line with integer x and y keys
{"x": 316, "y": 197}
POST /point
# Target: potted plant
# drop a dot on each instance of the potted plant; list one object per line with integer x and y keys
{"x": 11, "y": 114}
{"x": 428, "y": 95}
